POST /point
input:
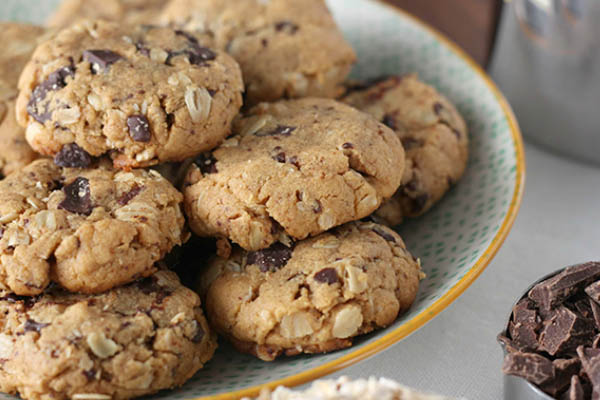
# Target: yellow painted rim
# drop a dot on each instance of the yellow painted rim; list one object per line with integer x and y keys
{"x": 434, "y": 309}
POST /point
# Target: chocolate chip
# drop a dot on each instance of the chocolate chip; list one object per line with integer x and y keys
{"x": 170, "y": 120}
{"x": 533, "y": 367}
{"x": 419, "y": 202}
{"x": 390, "y": 121}
{"x": 90, "y": 374}
{"x": 328, "y": 276}
{"x": 437, "y": 108}
{"x": 12, "y": 298}
{"x": 78, "y": 198}
{"x": 318, "y": 208}
{"x": 347, "y": 145}
{"x": 270, "y": 259}
{"x": 207, "y": 163}
{"x": 33, "y": 326}
{"x": 280, "y": 130}
{"x": 386, "y": 235}
{"x": 200, "y": 55}
{"x": 55, "y": 81}
{"x": 564, "y": 332}
{"x": 279, "y": 157}
{"x": 72, "y": 156}
{"x": 199, "y": 334}
{"x": 294, "y": 161}
{"x": 101, "y": 60}
{"x": 555, "y": 290}
{"x": 286, "y": 26}
{"x": 128, "y": 196}
{"x": 139, "y": 128}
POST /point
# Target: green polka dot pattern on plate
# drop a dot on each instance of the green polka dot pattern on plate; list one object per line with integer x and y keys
{"x": 451, "y": 237}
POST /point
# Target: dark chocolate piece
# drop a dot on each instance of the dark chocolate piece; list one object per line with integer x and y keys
{"x": 595, "y": 313}
{"x": 328, "y": 276}
{"x": 128, "y": 196}
{"x": 564, "y": 332}
{"x": 564, "y": 369}
{"x": 55, "y": 81}
{"x": 555, "y": 290}
{"x": 523, "y": 336}
{"x": 533, "y": 367}
{"x": 593, "y": 291}
{"x": 590, "y": 362}
{"x": 207, "y": 163}
{"x": 72, "y": 156}
{"x": 387, "y": 236}
{"x": 524, "y": 313}
{"x": 575, "y": 391}
{"x": 78, "y": 197}
{"x": 272, "y": 258}
{"x": 139, "y": 128}
{"x": 101, "y": 60}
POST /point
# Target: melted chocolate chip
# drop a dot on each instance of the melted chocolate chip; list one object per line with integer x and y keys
{"x": 170, "y": 120}
{"x": 347, "y": 145}
{"x": 390, "y": 121}
{"x": 328, "y": 276}
{"x": 386, "y": 235}
{"x": 72, "y": 156}
{"x": 128, "y": 196}
{"x": 280, "y": 130}
{"x": 207, "y": 163}
{"x": 139, "y": 128}
{"x": 33, "y": 326}
{"x": 199, "y": 55}
{"x": 101, "y": 60}
{"x": 270, "y": 259}
{"x": 78, "y": 197}
{"x": 279, "y": 157}
{"x": 55, "y": 81}
{"x": 286, "y": 26}
{"x": 199, "y": 334}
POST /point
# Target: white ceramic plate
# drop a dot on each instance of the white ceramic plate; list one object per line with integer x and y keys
{"x": 455, "y": 240}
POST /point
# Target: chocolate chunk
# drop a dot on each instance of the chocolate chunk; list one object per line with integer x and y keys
{"x": 437, "y": 108}
{"x": 279, "y": 157}
{"x": 582, "y": 307}
{"x": 128, "y": 196}
{"x": 506, "y": 343}
{"x": 72, "y": 156}
{"x": 593, "y": 291}
{"x": 555, "y": 290}
{"x": 533, "y": 367}
{"x": 564, "y": 332}
{"x": 199, "y": 55}
{"x": 101, "y": 60}
{"x": 386, "y": 235}
{"x": 575, "y": 391}
{"x": 563, "y": 369}
{"x": 524, "y": 313}
{"x": 207, "y": 163}
{"x": 328, "y": 276}
{"x": 78, "y": 197}
{"x": 347, "y": 145}
{"x": 524, "y": 336}
{"x": 280, "y": 130}
{"x": 199, "y": 334}
{"x": 419, "y": 202}
{"x": 590, "y": 362}
{"x": 286, "y": 26}
{"x": 595, "y": 313}
{"x": 33, "y": 326}
{"x": 139, "y": 128}
{"x": 90, "y": 374}
{"x": 390, "y": 121}
{"x": 270, "y": 259}
{"x": 148, "y": 285}
{"x": 55, "y": 81}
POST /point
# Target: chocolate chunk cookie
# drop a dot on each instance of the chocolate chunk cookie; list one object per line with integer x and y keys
{"x": 19, "y": 41}
{"x": 286, "y": 48}
{"x": 87, "y": 229}
{"x": 434, "y": 136}
{"x": 141, "y": 95}
{"x": 129, "y": 12}
{"x": 127, "y": 342}
{"x": 295, "y": 167}
{"x": 312, "y": 297}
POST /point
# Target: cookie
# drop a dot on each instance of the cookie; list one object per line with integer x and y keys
{"x": 434, "y": 136}
{"x": 312, "y": 297}
{"x": 19, "y": 41}
{"x": 347, "y": 389}
{"x": 87, "y": 229}
{"x": 130, "y": 341}
{"x": 295, "y": 167}
{"x": 142, "y": 95}
{"x": 129, "y": 12}
{"x": 286, "y": 48}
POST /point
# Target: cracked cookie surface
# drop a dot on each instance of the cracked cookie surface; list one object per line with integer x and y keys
{"x": 295, "y": 167}
{"x": 86, "y": 229}
{"x": 19, "y": 41}
{"x": 130, "y": 12}
{"x": 142, "y": 95}
{"x": 286, "y": 48}
{"x": 434, "y": 136}
{"x": 312, "y": 297}
{"x": 126, "y": 342}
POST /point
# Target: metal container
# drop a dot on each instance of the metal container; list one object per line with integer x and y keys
{"x": 547, "y": 62}
{"x": 517, "y": 388}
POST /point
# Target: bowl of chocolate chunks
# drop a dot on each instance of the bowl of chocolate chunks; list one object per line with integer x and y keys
{"x": 552, "y": 338}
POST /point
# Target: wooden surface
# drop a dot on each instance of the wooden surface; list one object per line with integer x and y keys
{"x": 470, "y": 23}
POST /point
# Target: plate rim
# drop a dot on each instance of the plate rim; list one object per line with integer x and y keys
{"x": 459, "y": 288}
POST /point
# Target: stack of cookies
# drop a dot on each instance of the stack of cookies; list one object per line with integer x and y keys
{"x": 135, "y": 122}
